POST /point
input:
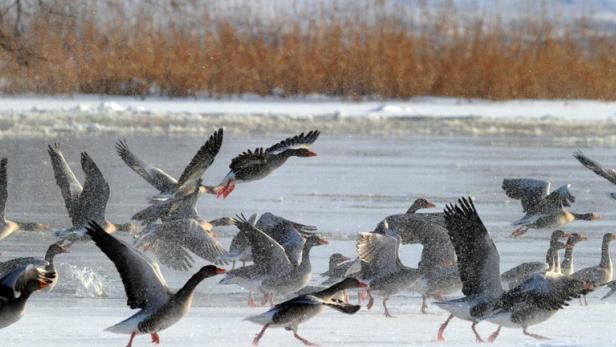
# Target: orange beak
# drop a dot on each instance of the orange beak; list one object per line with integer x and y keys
{"x": 583, "y": 237}
{"x": 220, "y": 271}
{"x": 362, "y": 285}
{"x": 595, "y": 216}
{"x": 430, "y": 205}
{"x": 312, "y": 153}
{"x": 323, "y": 242}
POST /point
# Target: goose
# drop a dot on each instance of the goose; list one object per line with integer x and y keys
{"x": 544, "y": 209}
{"x": 254, "y": 165}
{"x": 291, "y": 313}
{"x": 608, "y": 174}
{"x": 146, "y": 288}
{"x": 16, "y": 286}
{"x": 276, "y": 269}
{"x": 603, "y": 273}
{"x": 567, "y": 263}
{"x": 280, "y": 229}
{"x": 163, "y": 182}
{"x": 8, "y": 227}
{"x": 338, "y": 265}
{"x": 518, "y": 274}
{"x": 46, "y": 263}
{"x": 386, "y": 274}
{"x": 612, "y": 286}
{"x": 82, "y": 203}
{"x": 530, "y": 303}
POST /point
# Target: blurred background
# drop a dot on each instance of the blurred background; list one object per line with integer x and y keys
{"x": 495, "y": 49}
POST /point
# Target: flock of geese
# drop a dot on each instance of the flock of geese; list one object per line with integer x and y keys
{"x": 458, "y": 252}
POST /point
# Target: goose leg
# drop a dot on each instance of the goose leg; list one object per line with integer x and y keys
{"x": 585, "y": 301}
{"x": 251, "y": 300}
{"x": 271, "y": 299}
{"x": 346, "y": 296}
{"x": 424, "y": 304}
{"x": 155, "y": 338}
{"x": 494, "y": 335}
{"x": 255, "y": 341}
{"x": 370, "y": 301}
{"x": 535, "y": 336}
{"x": 265, "y": 298}
{"x": 519, "y": 231}
{"x": 387, "y": 314}
{"x": 226, "y": 190}
{"x": 233, "y": 266}
{"x": 304, "y": 341}
{"x": 477, "y": 336}
{"x": 441, "y": 330}
{"x": 132, "y": 336}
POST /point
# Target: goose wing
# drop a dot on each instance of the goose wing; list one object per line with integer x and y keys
{"x": 143, "y": 282}
{"x": 248, "y": 160}
{"x": 556, "y": 200}
{"x": 379, "y": 252}
{"x": 301, "y": 140}
{"x": 266, "y": 252}
{"x": 3, "y": 189}
{"x": 269, "y": 220}
{"x": 529, "y": 191}
{"x": 608, "y": 174}
{"x": 68, "y": 183}
{"x": 153, "y": 175}
{"x": 202, "y": 159}
{"x": 93, "y": 200}
{"x": 478, "y": 258}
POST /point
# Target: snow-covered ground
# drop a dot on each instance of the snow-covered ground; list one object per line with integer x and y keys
{"x": 59, "y": 116}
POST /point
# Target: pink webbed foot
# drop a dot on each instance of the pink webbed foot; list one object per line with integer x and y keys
{"x": 155, "y": 338}
{"x": 441, "y": 331}
{"x": 251, "y": 300}
{"x": 226, "y": 190}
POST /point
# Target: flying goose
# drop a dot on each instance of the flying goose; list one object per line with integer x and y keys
{"x": 254, "y": 165}
{"x": 82, "y": 203}
{"x": 46, "y": 263}
{"x": 16, "y": 286}
{"x": 291, "y": 313}
{"x": 7, "y": 227}
{"x": 167, "y": 185}
{"x": 146, "y": 288}
{"x": 544, "y": 209}
{"x": 386, "y": 274}
{"x": 530, "y": 303}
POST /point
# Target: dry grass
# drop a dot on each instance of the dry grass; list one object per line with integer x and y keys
{"x": 349, "y": 58}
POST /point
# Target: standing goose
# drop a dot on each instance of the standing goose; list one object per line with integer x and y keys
{"x": 544, "y": 209}
{"x": 386, "y": 275}
{"x": 7, "y": 227}
{"x": 567, "y": 264}
{"x": 16, "y": 286}
{"x": 257, "y": 164}
{"x": 519, "y": 274}
{"x": 46, "y": 263}
{"x": 167, "y": 185}
{"x": 146, "y": 288}
{"x": 530, "y": 303}
{"x": 603, "y": 273}
{"x": 338, "y": 265}
{"x": 608, "y": 174}
{"x": 82, "y": 203}
{"x": 291, "y": 313}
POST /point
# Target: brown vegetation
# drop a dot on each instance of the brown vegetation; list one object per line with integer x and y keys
{"x": 392, "y": 57}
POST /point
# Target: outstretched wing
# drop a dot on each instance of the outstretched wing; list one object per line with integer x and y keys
{"x": 266, "y": 252}
{"x": 203, "y": 159}
{"x": 379, "y": 252}
{"x": 608, "y": 174}
{"x": 529, "y": 191}
{"x": 68, "y": 183}
{"x": 478, "y": 259}
{"x": 557, "y": 199}
{"x": 95, "y": 195}
{"x": 301, "y": 140}
{"x": 153, "y": 175}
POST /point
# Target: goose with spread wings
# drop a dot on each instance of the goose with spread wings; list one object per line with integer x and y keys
{"x": 544, "y": 209}
{"x": 167, "y": 185}
{"x": 83, "y": 203}
{"x": 255, "y": 164}
{"x": 382, "y": 268}
{"x": 146, "y": 288}
{"x": 532, "y": 302}
{"x": 8, "y": 227}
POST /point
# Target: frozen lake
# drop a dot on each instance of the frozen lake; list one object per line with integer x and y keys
{"x": 354, "y": 183}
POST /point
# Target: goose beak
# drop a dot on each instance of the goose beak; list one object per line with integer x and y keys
{"x": 583, "y": 237}
{"x": 430, "y": 205}
{"x": 312, "y": 153}
{"x": 595, "y": 216}
{"x": 220, "y": 271}
{"x": 323, "y": 242}
{"x": 362, "y": 285}
{"x": 345, "y": 258}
